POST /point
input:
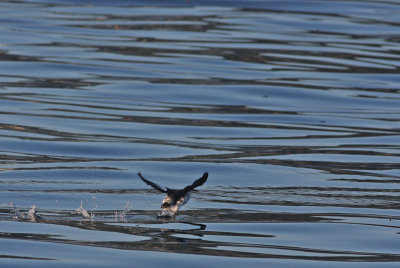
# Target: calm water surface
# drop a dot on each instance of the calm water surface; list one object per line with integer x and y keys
{"x": 293, "y": 107}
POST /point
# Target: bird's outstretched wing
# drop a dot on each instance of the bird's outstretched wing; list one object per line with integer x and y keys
{"x": 197, "y": 183}
{"x": 154, "y": 185}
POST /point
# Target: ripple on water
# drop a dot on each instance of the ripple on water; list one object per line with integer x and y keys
{"x": 291, "y": 106}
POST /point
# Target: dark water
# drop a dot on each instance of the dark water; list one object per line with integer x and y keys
{"x": 293, "y": 108}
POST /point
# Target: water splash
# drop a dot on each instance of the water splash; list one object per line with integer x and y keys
{"x": 165, "y": 213}
{"x": 94, "y": 204}
{"x": 120, "y": 215}
{"x": 32, "y": 214}
{"x": 83, "y": 212}
{"x": 17, "y": 215}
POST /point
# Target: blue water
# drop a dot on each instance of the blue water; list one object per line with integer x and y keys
{"x": 291, "y": 106}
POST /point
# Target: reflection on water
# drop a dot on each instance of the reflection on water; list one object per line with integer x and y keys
{"x": 258, "y": 239}
{"x": 292, "y": 108}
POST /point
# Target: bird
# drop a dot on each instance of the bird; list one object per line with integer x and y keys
{"x": 175, "y": 197}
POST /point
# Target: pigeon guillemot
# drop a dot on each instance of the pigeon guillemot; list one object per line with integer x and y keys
{"x": 175, "y": 198}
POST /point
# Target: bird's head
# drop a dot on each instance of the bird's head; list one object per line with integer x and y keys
{"x": 170, "y": 203}
{"x": 167, "y": 202}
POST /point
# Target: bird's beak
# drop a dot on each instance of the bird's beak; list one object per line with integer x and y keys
{"x": 165, "y": 205}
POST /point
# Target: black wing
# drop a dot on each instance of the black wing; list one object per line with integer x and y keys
{"x": 197, "y": 183}
{"x": 154, "y": 185}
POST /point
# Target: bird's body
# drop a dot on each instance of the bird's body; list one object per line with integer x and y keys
{"x": 175, "y": 198}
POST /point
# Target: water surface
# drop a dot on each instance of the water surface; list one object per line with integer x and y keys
{"x": 291, "y": 106}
